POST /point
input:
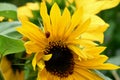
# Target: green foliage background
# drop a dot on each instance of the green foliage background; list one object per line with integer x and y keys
{"x": 112, "y": 38}
{"x": 112, "y": 35}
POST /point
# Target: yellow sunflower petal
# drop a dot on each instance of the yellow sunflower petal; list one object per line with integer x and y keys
{"x": 94, "y": 51}
{"x": 38, "y": 76}
{"x": 47, "y": 57}
{"x": 50, "y": 76}
{"x": 97, "y": 63}
{"x": 75, "y": 21}
{"x": 55, "y": 15}
{"x": 31, "y": 31}
{"x": 110, "y": 4}
{"x": 95, "y": 6}
{"x": 70, "y": 77}
{"x": 80, "y": 29}
{"x": 82, "y": 42}
{"x": 33, "y": 6}
{"x": 93, "y": 62}
{"x": 95, "y": 30}
{"x": 37, "y": 57}
{"x": 93, "y": 36}
{"x": 91, "y": 7}
{"x": 64, "y": 22}
{"x": 41, "y": 64}
{"x": 24, "y": 11}
{"x": 87, "y": 43}
{"x": 43, "y": 75}
{"x": 31, "y": 47}
{"x": 96, "y": 34}
{"x": 34, "y": 62}
{"x": 78, "y": 76}
{"x": 80, "y": 3}
{"x": 106, "y": 66}
{"x": 97, "y": 24}
{"x": 77, "y": 51}
{"x": 88, "y": 74}
{"x": 45, "y": 17}
{"x": 56, "y": 78}
{"x": 25, "y": 18}
{"x": 76, "y": 18}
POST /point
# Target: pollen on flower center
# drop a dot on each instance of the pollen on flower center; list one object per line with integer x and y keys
{"x": 61, "y": 63}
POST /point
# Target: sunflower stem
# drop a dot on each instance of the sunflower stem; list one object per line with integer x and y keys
{"x": 115, "y": 75}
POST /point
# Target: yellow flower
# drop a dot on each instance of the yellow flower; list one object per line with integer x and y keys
{"x": 8, "y": 72}
{"x": 33, "y": 6}
{"x": 90, "y": 8}
{"x": 26, "y": 10}
{"x": 95, "y": 6}
{"x": 1, "y": 18}
{"x": 79, "y": 69}
{"x": 64, "y": 48}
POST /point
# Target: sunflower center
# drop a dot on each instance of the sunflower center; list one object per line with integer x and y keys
{"x": 61, "y": 63}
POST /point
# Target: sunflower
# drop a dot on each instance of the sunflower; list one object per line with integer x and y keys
{"x": 9, "y": 71}
{"x": 90, "y": 8}
{"x": 100, "y": 4}
{"x": 95, "y": 6}
{"x": 26, "y": 10}
{"x": 62, "y": 50}
{"x": 74, "y": 69}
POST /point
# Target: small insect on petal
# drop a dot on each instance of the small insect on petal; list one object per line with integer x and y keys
{"x": 47, "y": 34}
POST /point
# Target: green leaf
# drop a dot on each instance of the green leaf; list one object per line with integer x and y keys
{"x": 9, "y": 29}
{"x": 10, "y": 46}
{"x": 8, "y": 10}
{"x": 9, "y": 14}
{"x": 102, "y": 75}
{"x": 7, "y": 6}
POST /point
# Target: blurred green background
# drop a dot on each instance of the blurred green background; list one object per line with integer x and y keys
{"x": 112, "y": 38}
{"x": 112, "y": 35}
